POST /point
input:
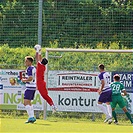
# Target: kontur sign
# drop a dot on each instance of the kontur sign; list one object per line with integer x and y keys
{"x": 70, "y": 91}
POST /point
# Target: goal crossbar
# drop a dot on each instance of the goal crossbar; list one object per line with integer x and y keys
{"x": 89, "y": 50}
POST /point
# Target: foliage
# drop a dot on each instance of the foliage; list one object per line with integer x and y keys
{"x": 14, "y": 58}
{"x": 84, "y": 22}
{"x": 18, "y": 22}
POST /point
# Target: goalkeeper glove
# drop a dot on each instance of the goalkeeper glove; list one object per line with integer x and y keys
{"x": 38, "y": 48}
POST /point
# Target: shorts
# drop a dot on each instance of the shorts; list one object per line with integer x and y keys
{"x": 105, "y": 97}
{"x": 29, "y": 94}
{"x": 117, "y": 99}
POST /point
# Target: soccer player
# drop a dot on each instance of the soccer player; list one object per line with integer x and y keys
{"x": 105, "y": 94}
{"x": 117, "y": 98}
{"x": 30, "y": 80}
{"x": 41, "y": 84}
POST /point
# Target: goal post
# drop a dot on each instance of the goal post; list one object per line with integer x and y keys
{"x": 49, "y": 50}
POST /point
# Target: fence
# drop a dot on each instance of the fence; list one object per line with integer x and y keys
{"x": 72, "y": 23}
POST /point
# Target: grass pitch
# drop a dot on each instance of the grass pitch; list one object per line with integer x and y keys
{"x": 58, "y": 125}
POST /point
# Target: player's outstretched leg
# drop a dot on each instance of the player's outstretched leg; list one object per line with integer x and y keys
{"x": 109, "y": 109}
{"x": 129, "y": 117}
{"x": 30, "y": 112}
{"x": 104, "y": 110}
{"x": 115, "y": 116}
{"x": 127, "y": 114}
{"x": 44, "y": 93}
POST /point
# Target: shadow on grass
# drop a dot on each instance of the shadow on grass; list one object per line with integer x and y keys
{"x": 44, "y": 124}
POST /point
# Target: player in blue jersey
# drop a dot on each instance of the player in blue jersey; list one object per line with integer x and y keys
{"x": 105, "y": 94}
{"x": 30, "y": 80}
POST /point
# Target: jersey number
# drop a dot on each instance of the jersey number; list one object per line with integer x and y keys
{"x": 108, "y": 80}
{"x": 116, "y": 87}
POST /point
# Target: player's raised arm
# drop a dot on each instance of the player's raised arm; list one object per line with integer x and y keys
{"x": 38, "y": 53}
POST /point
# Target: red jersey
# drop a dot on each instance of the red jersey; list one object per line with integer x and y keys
{"x": 40, "y": 72}
{"x": 41, "y": 84}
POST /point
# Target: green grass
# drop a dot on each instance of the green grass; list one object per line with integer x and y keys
{"x": 59, "y": 125}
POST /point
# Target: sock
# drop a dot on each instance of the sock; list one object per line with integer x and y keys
{"x": 53, "y": 106}
{"x": 29, "y": 110}
{"x": 114, "y": 115}
{"x": 129, "y": 116}
{"x": 109, "y": 109}
{"x": 104, "y": 109}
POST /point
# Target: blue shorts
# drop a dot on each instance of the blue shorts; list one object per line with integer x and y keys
{"x": 29, "y": 94}
{"x": 105, "y": 97}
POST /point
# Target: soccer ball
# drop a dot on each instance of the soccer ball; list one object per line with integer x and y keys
{"x": 37, "y": 47}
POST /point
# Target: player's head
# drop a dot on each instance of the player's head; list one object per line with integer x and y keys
{"x": 101, "y": 67}
{"x": 29, "y": 60}
{"x": 116, "y": 77}
{"x": 44, "y": 61}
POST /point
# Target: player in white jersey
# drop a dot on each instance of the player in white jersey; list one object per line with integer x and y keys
{"x": 30, "y": 80}
{"x": 105, "y": 94}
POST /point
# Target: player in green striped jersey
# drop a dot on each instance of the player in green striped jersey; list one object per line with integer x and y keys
{"x": 117, "y": 89}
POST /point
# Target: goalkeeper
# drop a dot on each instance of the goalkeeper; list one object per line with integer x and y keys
{"x": 117, "y": 88}
{"x": 41, "y": 84}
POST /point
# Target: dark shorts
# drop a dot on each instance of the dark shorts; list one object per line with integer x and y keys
{"x": 29, "y": 94}
{"x": 105, "y": 97}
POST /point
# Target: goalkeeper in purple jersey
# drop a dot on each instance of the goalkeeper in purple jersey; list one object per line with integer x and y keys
{"x": 105, "y": 93}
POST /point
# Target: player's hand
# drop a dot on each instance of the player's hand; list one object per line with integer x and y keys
{"x": 20, "y": 81}
{"x": 23, "y": 80}
{"x": 37, "y": 47}
{"x": 123, "y": 94}
{"x": 99, "y": 91}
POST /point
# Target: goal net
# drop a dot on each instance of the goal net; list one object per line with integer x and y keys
{"x": 72, "y": 77}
